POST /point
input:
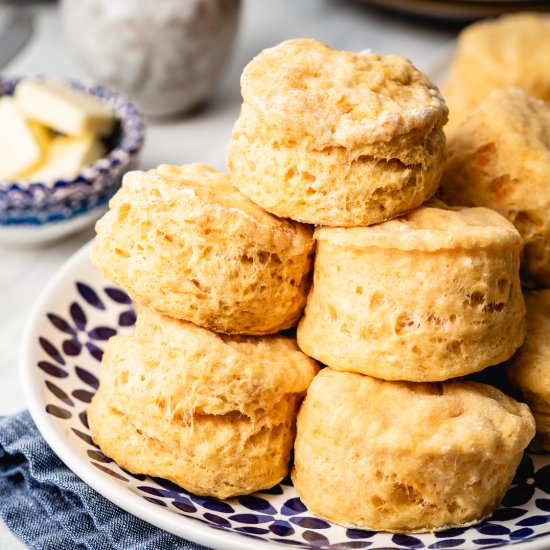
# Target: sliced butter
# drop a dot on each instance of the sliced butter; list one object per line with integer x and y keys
{"x": 42, "y": 135}
{"x": 65, "y": 158}
{"x": 21, "y": 142}
{"x": 64, "y": 109}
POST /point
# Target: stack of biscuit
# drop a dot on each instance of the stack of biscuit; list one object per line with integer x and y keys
{"x": 201, "y": 393}
{"x": 498, "y": 92}
{"x": 406, "y": 296}
{"x": 415, "y": 302}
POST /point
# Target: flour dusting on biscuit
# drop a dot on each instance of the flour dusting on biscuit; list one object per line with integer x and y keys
{"x": 336, "y": 138}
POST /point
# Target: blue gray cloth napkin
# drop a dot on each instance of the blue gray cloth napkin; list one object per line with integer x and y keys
{"x": 49, "y": 508}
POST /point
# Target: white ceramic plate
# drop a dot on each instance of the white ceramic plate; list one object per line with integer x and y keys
{"x": 61, "y": 354}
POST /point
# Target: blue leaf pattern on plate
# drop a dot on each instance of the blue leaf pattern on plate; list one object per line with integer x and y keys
{"x": 90, "y": 295}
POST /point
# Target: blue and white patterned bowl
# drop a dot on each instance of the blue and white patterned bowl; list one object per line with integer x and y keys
{"x": 61, "y": 354}
{"x": 28, "y": 210}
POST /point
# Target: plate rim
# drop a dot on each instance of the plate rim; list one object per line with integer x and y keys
{"x": 181, "y": 526}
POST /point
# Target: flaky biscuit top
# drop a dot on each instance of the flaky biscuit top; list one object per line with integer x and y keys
{"x": 339, "y": 98}
{"x": 429, "y": 228}
{"x": 205, "y": 195}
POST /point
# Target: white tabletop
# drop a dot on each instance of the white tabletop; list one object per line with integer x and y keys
{"x": 201, "y": 137}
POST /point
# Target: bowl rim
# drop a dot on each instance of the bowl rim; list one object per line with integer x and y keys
{"x": 131, "y": 121}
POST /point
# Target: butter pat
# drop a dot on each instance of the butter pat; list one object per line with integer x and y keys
{"x": 64, "y": 109}
{"x": 65, "y": 158}
{"x": 42, "y": 135}
{"x": 21, "y": 141}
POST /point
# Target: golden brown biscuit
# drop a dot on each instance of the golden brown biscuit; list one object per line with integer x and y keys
{"x": 529, "y": 369}
{"x": 336, "y": 138}
{"x": 213, "y": 413}
{"x": 404, "y": 457}
{"x": 183, "y": 241}
{"x": 511, "y": 51}
{"x": 425, "y": 297}
{"x": 499, "y": 157}
{"x": 541, "y": 441}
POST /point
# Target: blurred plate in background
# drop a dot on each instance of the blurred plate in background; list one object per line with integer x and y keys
{"x": 460, "y": 9}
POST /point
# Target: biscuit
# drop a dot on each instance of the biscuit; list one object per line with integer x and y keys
{"x": 425, "y": 297}
{"x": 499, "y": 157}
{"x": 336, "y": 138}
{"x": 511, "y": 51}
{"x": 213, "y": 413}
{"x": 541, "y": 441}
{"x": 183, "y": 241}
{"x": 405, "y": 457}
{"x": 529, "y": 369}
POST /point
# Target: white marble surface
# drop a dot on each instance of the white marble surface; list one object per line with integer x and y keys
{"x": 201, "y": 136}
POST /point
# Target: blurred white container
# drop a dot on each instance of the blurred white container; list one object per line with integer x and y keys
{"x": 165, "y": 54}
